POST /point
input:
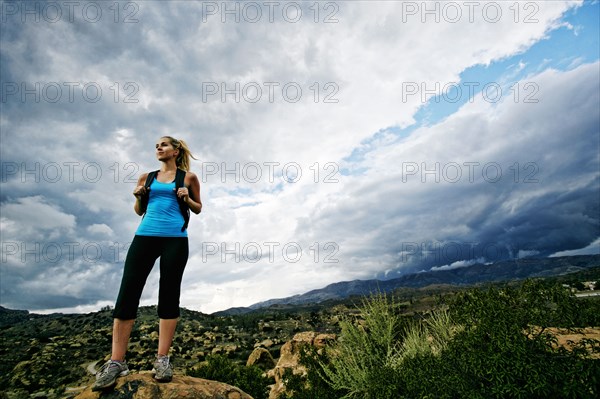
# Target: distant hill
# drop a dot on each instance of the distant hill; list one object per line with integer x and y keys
{"x": 508, "y": 270}
{"x": 9, "y": 317}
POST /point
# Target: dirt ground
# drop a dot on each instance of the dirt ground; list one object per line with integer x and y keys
{"x": 567, "y": 338}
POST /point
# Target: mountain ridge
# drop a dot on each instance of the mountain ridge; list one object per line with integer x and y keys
{"x": 514, "y": 269}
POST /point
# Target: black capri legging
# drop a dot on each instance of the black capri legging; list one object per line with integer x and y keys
{"x": 142, "y": 254}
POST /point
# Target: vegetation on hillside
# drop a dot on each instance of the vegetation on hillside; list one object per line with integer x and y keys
{"x": 494, "y": 342}
{"x": 498, "y": 340}
{"x": 249, "y": 379}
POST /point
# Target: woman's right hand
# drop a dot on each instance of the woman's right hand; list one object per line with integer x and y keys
{"x": 140, "y": 191}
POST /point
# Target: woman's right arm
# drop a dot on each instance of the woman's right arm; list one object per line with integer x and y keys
{"x": 139, "y": 192}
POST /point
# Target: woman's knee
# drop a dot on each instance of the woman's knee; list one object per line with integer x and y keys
{"x": 168, "y": 310}
{"x": 125, "y": 312}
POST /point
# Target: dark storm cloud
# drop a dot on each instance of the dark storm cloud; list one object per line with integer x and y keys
{"x": 69, "y": 167}
{"x": 528, "y": 184}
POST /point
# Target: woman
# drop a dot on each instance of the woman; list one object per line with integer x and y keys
{"x": 160, "y": 234}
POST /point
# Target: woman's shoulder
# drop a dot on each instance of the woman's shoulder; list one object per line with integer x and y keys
{"x": 190, "y": 175}
{"x": 143, "y": 177}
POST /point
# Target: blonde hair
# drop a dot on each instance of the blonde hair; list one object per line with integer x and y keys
{"x": 183, "y": 159}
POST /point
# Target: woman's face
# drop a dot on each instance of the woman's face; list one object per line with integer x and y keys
{"x": 165, "y": 150}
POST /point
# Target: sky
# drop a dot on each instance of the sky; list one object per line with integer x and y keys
{"x": 335, "y": 140}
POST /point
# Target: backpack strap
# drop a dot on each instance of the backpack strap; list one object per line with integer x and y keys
{"x": 179, "y": 182}
{"x": 149, "y": 180}
{"x": 183, "y": 207}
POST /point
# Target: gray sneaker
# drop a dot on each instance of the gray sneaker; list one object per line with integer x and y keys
{"x": 163, "y": 370}
{"x": 106, "y": 377}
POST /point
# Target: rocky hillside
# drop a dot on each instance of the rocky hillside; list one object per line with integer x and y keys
{"x": 51, "y": 356}
{"x": 143, "y": 386}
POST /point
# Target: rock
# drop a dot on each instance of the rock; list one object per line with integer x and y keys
{"x": 262, "y": 358}
{"x": 290, "y": 351}
{"x": 322, "y": 340}
{"x": 290, "y": 358}
{"x": 267, "y": 343}
{"x": 144, "y": 386}
{"x": 230, "y": 348}
{"x": 71, "y": 392}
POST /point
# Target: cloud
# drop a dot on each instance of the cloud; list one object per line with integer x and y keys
{"x": 100, "y": 229}
{"x": 494, "y": 179}
{"x": 526, "y": 253}
{"x": 337, "y": 167}
{"x": 457, "y": 264}
{"x": 34, "y": 217}
{"x": 592, "y": 249}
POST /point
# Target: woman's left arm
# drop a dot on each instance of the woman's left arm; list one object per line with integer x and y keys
{"x": 190, "y": 193}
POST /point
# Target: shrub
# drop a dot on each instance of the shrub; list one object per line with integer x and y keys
{"x": 428, "y": 337}
{"x": 362, "y": 362}
{"x": 490, "y": 343}
{"x": 505, "y": 350}
{"x": 312, "y": 385}
{"x": 248, "y": 379}
{"x": 365, "y": 363}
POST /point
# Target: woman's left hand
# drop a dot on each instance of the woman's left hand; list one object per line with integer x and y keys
{"x": 183, "y": 193}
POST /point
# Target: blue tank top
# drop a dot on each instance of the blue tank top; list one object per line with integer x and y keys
{"x": 163, "y": 217}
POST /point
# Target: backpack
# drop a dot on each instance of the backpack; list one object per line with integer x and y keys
{"x": 183, "y": 207}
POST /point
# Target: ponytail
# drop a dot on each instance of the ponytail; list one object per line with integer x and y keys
{"x": 183, "y": 159}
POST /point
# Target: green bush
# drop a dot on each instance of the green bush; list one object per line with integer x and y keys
{"x": 312, "y": 385}
{"x": 505, "y": 349}
{"x": 361, "y": 365}
{"x": 490, "y": 343}
{"x": 249, "y": 379}
{"x": 428, "y": 337}
{"x": 365, "y": 362}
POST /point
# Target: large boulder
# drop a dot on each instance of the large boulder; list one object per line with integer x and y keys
{"x": 144, "y": 386}
{"x": 262, "y": 358}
